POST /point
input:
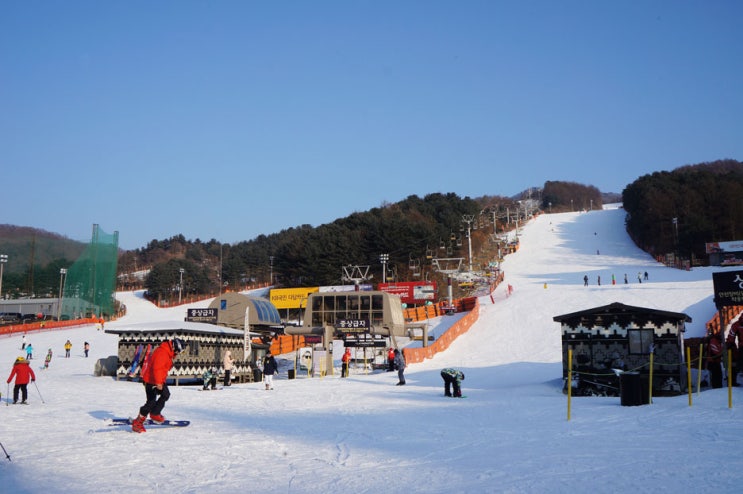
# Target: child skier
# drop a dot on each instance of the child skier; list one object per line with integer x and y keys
{"x": 270, "y": 367}
{"x": 48, "y": 359}
{"x": 452, "y": 377}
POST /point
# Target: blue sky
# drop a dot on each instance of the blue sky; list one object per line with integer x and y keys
{"x": 232, "y": 119}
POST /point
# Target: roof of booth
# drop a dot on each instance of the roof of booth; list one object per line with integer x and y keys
{"x": 177, "y": 327}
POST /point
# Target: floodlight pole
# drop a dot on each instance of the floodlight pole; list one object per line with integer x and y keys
{"x": 180, "y": 286}
{"x": 383, "y": 258}
{"x": 3, "y": 260}
{"x": 62, "y": 275}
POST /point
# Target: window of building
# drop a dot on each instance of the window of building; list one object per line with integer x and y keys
{"x": 640, "y": 340}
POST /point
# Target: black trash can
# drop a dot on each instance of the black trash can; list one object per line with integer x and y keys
{"x": 630, "y": 389}
{"x": 257, "y": 375}
{"x": 290, "y": 373}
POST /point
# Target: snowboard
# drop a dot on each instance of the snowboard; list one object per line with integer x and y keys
{"x": 150, "y": 423}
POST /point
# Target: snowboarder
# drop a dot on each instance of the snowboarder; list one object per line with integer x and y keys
{"x": 400, "y": 366}
{"x": 48, "y": 359}
{"x": 67, "y": 348}
{"x": 625, "y": 279}
{"x": 23, "y": 374}
{"x": 646, "y": 276}
{"x": 86, "y": 347}
{"x": 155, "y": 379}
{"x": 345, "y": 360}
{"x": 452, "y": 378}
{"x": 585, "y": 280}
{"x": 270, "y": 367}
{"x": 639, "y": 277}
{"x": 210, "y": 378}
{"x": 227, "y": 363}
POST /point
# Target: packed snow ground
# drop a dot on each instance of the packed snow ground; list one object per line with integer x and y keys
{"x": 364, "y": 434}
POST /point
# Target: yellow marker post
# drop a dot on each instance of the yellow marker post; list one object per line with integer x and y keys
{"x": 650, "y": 379}
{"x": 570, "y": 378}
{"x": 688, "y": 372}
{"x": 730, "y": 379}
{"x": 699, "y": 369}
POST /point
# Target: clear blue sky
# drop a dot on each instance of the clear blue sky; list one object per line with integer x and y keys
{"x": 231, "y": 119}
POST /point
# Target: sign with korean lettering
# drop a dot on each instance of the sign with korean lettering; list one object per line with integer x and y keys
{"x": 291, "y": 298}
{"x": 202, "y": 315}
{"x": 352, "y": 325}
{"x": 728, "y": 288}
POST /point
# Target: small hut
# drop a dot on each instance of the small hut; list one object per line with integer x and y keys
{"x": 206, "y": 345}
{"x": 622, "y": 337}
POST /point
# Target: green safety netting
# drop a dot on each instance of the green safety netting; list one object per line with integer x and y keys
{"x": 89, "y": 285}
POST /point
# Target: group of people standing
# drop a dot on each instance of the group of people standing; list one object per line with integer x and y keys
{"x": 640, "y": 276}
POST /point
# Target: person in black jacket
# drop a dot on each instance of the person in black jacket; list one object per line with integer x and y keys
{"x": 270, "y": 367}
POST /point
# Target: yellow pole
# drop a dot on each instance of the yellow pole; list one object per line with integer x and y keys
{"x": 650, "y": 379}
{"x": 688, "y": 372}
{"x": 730, "y": 378}
{"x": 570, "y": 378}
{"x": 699, "y": 369}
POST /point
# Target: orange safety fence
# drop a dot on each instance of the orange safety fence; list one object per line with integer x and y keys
{"x": 286, "y": 344}
{"x": 730, "y": 312}
{"x": 415, "y": 355}
{"x": 45, "y": 325}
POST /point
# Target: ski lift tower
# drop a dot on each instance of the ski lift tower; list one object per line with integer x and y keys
{"x": 448, "y": 266}
{"x": 469, "y": 218}
{"x": 356, "y": 274}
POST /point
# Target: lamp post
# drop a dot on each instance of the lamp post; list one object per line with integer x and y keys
{"x": 3, "y": 260}
{"x": 270, "y": 275}
{"x": 62, "y": 276}
{"x": 180, "y": 285}
{"x": 383, "y": 258}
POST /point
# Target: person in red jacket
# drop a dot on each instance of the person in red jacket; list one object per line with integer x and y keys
{"x": 345, "y": 360}
{"x": 154, "y": 377}
{"x": 391, "y": 360}
{"x": 23, "y": 374}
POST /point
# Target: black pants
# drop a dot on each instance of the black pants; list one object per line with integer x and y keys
{"x": 227, "y": 373}
{"x": 344, "y": 369}
{"x": 715, "y": 374}
{"x": 156, "y": 399}
{"x": 450, "y": 382}
{"x": 24, "y": 392}
{"x": 210, "y": 382}
{"x": 390, "y": 365}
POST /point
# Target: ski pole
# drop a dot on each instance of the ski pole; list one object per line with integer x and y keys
{"x": 37, "y": 390}
{"x": 4, "y": 451}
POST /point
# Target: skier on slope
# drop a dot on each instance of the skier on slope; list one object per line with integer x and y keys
{"x": 270, "y": 367}
{"x": 23, "y": 374}
{"x": 48, "y": 359}
{"x": 154, "y": 377}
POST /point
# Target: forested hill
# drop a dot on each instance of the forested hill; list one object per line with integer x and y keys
{"x": 681, "y": 210}
{"x": 26, "y": 246}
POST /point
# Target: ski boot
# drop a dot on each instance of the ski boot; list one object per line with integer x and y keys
{"x": 138, "y": 424}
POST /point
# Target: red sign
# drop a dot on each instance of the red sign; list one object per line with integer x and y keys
{"x": 411, "y": 292}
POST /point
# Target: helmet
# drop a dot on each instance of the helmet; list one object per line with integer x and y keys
{"x": 20, "y": 359}
{"x": 178, "y": 345}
